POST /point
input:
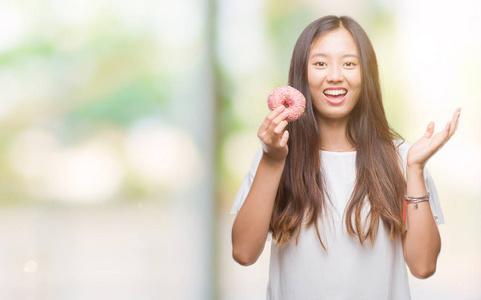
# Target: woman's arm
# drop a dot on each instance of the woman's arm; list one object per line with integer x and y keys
{"x": 251, "y": 225}
{"x": 422, "y": 242}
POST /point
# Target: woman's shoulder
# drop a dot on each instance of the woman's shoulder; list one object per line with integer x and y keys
{"x": 402, "y": 146}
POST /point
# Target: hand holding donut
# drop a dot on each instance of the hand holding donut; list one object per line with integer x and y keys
{"x": 287, "y": 105}
{"x": 273, "y": 135}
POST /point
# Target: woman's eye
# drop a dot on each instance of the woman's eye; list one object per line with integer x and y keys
{"x": 350, "y": 64}
{"x": 320, "y": 64}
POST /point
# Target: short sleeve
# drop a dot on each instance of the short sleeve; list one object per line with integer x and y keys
{"x": 428, "y": 180}
{"x": 246, "y": 186}
{"x": 434, "y": 199}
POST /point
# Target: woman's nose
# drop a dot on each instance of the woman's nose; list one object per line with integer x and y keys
{"x": 334, "y": 74}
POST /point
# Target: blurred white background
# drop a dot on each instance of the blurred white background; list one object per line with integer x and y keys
{"x": 127, "y": 127}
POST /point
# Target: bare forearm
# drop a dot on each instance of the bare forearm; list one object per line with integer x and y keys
{"x": 251, "y": 225}
{"x": 422, "y": 242}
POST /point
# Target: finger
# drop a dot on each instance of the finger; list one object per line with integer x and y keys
{"x": 444, "y": 135}
{"x": 447, "y": 134}
{"x": 429, "y": 130}
{"x": 454, "y": 121}
{"x": 284, "y": 139}
{"x": 277, "y": 120}
{"x": 279, "y": 130}
{"x": 275, "y": 133}
{"x": 457, "y": 120}
{"x": 455, "y": 114}
{"x": 271, "y": 116}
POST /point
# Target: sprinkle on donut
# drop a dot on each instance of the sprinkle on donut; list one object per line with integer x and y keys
{"x": 291, "y": 98}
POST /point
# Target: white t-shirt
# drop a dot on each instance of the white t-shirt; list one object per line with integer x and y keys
{"x": 348, "y": 270}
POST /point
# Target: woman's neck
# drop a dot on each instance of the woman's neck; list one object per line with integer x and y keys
{"x": 333, "y": 135}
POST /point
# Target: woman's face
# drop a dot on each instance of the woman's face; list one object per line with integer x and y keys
{"x": 334, "y": 74}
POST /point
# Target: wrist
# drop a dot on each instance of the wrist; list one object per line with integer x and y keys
{"x": 414, "y": 168}
{"x": 413, "y": 172}
{"x": 273, "y": 161}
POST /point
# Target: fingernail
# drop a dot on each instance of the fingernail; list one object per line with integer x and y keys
{"x": 281, "y": 107}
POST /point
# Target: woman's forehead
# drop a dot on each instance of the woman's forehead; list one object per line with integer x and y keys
{"x": 335, "y": 43}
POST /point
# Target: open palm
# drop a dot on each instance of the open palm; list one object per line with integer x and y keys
{"x": 425, "y": 147}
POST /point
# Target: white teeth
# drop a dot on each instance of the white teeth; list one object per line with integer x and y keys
{"x": 335, "y": 92}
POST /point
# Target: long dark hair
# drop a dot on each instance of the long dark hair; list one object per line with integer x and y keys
{"x": 302, "y": 193}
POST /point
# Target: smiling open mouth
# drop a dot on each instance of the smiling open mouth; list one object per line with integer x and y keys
{"x": 335, "y": 96}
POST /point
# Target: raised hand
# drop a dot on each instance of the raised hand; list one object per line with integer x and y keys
{"x": 273, "y": 135}
{"x": 424, "y": 148}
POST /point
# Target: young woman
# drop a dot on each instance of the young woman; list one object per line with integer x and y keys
{"x": 322, "y": 185}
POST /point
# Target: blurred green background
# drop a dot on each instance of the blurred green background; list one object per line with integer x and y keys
{"x": 127, "y": 127}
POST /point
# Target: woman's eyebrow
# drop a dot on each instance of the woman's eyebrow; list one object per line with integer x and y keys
{"x": 326, "y": 55}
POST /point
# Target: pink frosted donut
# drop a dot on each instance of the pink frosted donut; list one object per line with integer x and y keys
{"x": 291, "y": 98}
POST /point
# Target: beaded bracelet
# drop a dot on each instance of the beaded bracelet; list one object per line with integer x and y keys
{"x": 415, "y": 200}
